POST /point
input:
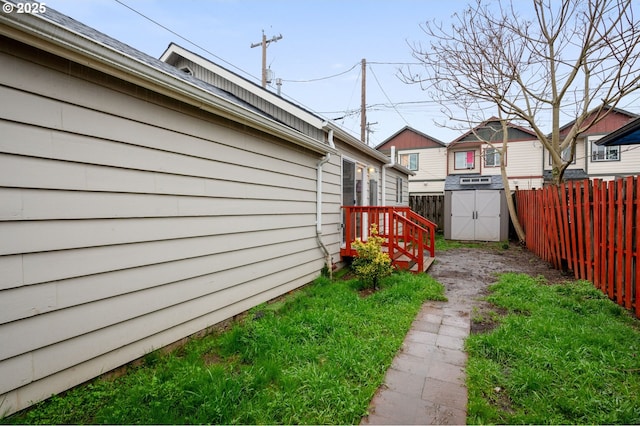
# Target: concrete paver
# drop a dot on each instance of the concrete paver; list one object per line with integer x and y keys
{"x": 426, "y": 381}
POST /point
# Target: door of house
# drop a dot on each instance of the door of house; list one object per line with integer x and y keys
{"x": 352, "y": 193}
{"x": 475, "y": 215}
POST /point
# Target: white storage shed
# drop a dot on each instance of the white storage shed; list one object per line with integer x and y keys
{"x": 475, "y": 208}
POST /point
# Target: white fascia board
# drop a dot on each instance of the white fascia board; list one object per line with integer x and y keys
{"x": 364, "y": 148}
{"x": 51, "y": 37}
{"x": 259, "y": 91}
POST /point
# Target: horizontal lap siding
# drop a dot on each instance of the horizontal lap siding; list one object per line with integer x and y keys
{"x": 524, "y": 164}
{"x": 126, "y": 225}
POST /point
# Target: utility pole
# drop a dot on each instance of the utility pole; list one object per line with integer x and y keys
{"x": 363, "y": 103}
{"x": 264, "y": 43}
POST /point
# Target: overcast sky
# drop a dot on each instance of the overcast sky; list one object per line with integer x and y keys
{"x": 318, "y": 57}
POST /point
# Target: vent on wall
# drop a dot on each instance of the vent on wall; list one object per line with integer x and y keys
{"x": 475, "y": 180}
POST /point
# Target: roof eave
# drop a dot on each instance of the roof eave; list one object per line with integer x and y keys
{"x": 613, "y": 138}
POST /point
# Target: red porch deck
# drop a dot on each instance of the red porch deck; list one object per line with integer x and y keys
{"x": 409, "y": 237}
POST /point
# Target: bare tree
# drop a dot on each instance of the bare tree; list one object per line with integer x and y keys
{"x": 497, "y": 138}
{"x": 572, "y": 60}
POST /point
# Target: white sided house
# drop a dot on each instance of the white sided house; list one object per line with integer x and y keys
{"x": 477, "y": 152}
{"x": 597, "y": 161}
{"x": 422, "y": 154}
{"x": 140, "y": 204}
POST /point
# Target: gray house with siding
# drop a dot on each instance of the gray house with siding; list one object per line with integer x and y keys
{"x": 140, "y": 204}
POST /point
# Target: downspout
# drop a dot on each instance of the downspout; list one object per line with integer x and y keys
{"x": 383, "y": 179}
{"x": 322, "y": 162}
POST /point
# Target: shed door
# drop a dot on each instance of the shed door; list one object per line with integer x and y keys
{"x": 463, "y": 206}
{"x": 487, "y": 215}
{"x": 475, "y": 215}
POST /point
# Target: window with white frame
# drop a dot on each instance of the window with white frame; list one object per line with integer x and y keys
{"x": 399, "y": 185}
{"x": 566, "y": 154}
{"x": 464, "y": 160}
{"x": 604, "y": 153}
{"x": 410, "y": 161}
{"x": 492, "y": 157}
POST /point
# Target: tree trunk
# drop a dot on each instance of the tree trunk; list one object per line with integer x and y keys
{"x": 510, "y": 205}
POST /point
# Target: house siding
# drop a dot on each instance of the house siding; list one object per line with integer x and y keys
{"x": 432, "y": 169}
{"x": 627, "y": 165}
{"x": 524, "y": 164}
{"x": 129, "y": 221}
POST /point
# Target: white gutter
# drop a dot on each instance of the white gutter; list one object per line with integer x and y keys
{"x": 384, "y": 175}
{"x": 322, "y": 162}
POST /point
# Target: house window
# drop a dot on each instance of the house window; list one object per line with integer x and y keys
{"x": 399, "y": 185}
{"x": 566, "y": 153}
{"x": 492, "y": 157}
{"x": 604, "y": 153}
{"x": 464, "y": 160}
{"x": 410, "y": 161}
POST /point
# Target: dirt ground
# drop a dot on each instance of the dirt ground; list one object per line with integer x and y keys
{"x": 467, "y": 272}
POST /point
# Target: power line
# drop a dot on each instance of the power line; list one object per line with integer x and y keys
{"x": 323, "y": 78}
{"x": 183, "y": 38}
{"x": 386, "y": 96}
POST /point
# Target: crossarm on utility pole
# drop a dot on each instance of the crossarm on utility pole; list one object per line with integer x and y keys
{"x": 264, "y": 43}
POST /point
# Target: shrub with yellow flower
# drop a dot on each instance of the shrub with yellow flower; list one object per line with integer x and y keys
{"x": 371, "y": 264}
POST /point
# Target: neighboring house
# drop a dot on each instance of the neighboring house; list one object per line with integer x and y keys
{"x": 628, "y": 134}
{"x": 140, "y": 204}
{"x": 470, "y": 154}
{"x": 422, "y": 154}
{"x": 593, "y": 160}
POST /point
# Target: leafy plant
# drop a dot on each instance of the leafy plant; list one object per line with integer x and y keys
{"x": 371, "y": 264}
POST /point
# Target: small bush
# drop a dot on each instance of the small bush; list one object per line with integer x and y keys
{"x": 371, "y": 264}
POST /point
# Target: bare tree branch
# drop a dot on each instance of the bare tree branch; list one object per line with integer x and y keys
{"x": 575, "y": 58}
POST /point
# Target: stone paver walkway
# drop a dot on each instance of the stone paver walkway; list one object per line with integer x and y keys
{"x": 426, "y": 381}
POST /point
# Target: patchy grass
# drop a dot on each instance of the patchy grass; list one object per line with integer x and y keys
{"x": 443, "y": 245}
{"x": 315, "y": 358}
{"x": 563, "y": 354}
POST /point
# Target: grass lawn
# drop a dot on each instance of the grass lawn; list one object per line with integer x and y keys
{"x": 316, "y": 357}
{"x": 563, "y": 354}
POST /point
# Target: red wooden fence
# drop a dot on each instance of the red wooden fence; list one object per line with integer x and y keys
{"x": 591, "y": 228}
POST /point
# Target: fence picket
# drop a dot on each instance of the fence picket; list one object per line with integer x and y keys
{"x": 610, "y": 238}
{"x": 597, "y": 183}
{"x": 628, "y": 240}
{"x": 588, "y": 226}
{"x": 619, "y": 238}
{"x": 603, "y": 237}
{"x": 579, "y": 231}
{"x": 637, "y": 245}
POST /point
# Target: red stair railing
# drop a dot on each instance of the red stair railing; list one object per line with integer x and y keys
{"x": 405, "y": 232}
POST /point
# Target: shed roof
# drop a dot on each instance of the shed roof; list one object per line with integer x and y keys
{"x": 569, "y": 174}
